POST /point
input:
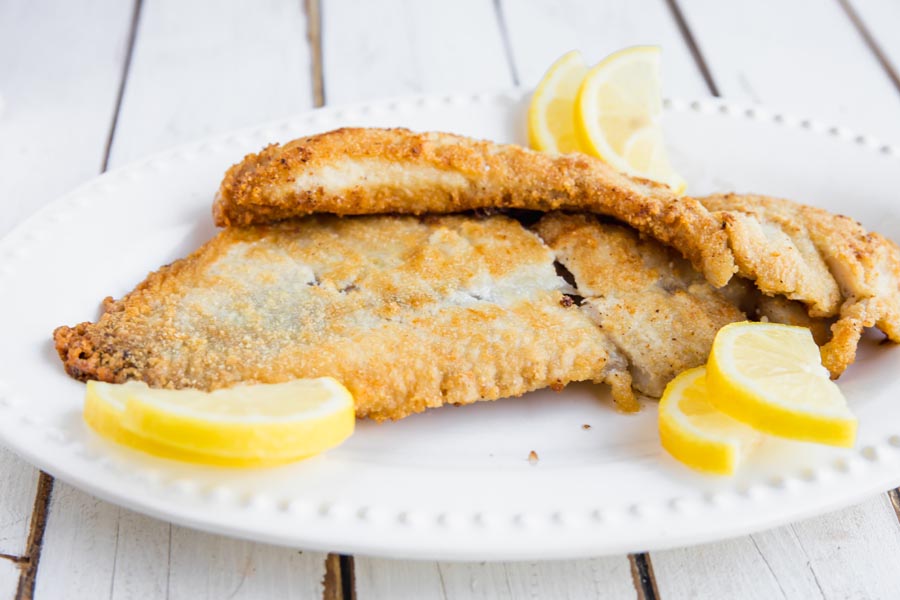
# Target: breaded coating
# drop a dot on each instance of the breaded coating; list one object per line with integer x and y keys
{"x": 660, "y": 313}
{"x": 815, "y": 254}
{"x": 407, "y": 312}
{"x": 827, "y": 262}
{"x": 369, "y": 171}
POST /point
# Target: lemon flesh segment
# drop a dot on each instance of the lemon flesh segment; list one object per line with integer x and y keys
{"x": 695, "y": 433}
{"x": 551, "y": 114}
{"x": 618, "y": 111}
{"x": 770, "y": 376}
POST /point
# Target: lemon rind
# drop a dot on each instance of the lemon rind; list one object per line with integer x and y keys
{"x": 539, "y": 136}
{"x": 689, "y": 445}
{"x": 742, "y": 399}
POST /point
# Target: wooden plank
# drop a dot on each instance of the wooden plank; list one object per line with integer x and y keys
{"x": 392, "y": 47}
{"x": 18, "y": 482}
{"x": 194, "y": 71}
{"x": 540, "y": 32}
{"x": 94, "y": 549}
{"x": 851, "y": 554}
{"x": 595, "y": 578}
{"x": 804, "y": 57}
{"x": 54, "y": 119}
{"x": 79, "y": 550}
{"x": 199, "y": 70}
{"x": 9, "y": 578}
{"x": 209, "y": 566}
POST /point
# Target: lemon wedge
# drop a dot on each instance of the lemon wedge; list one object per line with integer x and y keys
{"x": 694, "y": 432}
{"x": 551, "y": 114}
{"x": 248, "y": 425}
{"x": 770, "y": 377}
{"x": 617, "y": 115}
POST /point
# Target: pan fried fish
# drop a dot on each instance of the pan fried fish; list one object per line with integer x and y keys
{"x": 417, "y": 312}
{"x": 657, "y": 310}
{"x": 408, "y": 313}
{"x": 843, "y": 275}
{"x": 412, "y": 312}
{"x": 829, "y": 262}
{"x": 372, "y": 171}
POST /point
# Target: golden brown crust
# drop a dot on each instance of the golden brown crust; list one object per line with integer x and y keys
{"x": 408, "y": 313}
{"x": 370, "y": 171}
{"x": 657, "y": 310}
{"x": 863, "y": 267}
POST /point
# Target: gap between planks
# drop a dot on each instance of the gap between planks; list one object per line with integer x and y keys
{"x": 339, "y": 582}
{"x": 313, "y": 11}
{"x": 691, "y": 42}
{"x": 873, "y": 46}
{"x": 126, "y": 65}
{"x": 894, "y": 497}
{"x": 643, "y": 577}
{"x": 30, "y": 562}
{"x": 507, "y": 47}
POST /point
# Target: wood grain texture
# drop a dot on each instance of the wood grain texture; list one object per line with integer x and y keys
{"x": 595, "y": 578}
{"x": 540, "y": 32}
{"x": 394, "y": 47}
{"x": 804, "y": 57}
{"x": 332, "y": 582}
{"x": 851, "y": 554}
{"x": 194, "y": 71}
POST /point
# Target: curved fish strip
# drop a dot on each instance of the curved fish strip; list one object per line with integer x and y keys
{"x": 829, "y": 262}
{"x": 371, "y": 171}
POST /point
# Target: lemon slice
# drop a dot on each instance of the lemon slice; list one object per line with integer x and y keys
{"x": 104, "y": 407}
{"x": 617, "y": 115}
{"x": 551, "y": 114}
{"x": 250, "y": 425}
{"x": 694, "y": 432}
{"x": 770, "y": 376}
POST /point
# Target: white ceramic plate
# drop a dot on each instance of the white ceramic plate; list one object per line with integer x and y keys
{"x": 454, "y": 483}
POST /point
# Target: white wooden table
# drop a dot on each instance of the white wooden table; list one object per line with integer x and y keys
{"x": 92, "y": 85}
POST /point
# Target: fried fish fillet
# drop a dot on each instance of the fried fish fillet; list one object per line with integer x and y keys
{"x": 658, "y": 311}
{"x": 408, "y": 312}
{"x": 827, "y": 262}
{"x": 371, "y": 171}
